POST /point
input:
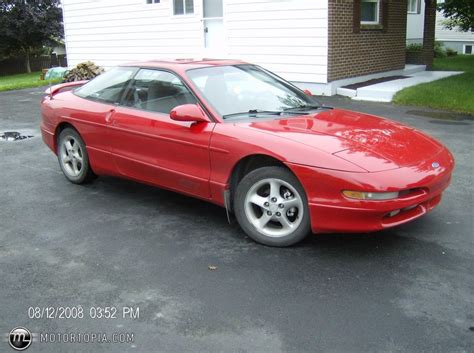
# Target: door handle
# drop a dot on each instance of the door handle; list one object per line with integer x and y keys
{"x": 108, "y": 116}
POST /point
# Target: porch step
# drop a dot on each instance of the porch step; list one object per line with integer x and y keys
{"x": 346, "y": 92}
{"x": 413, "y": 69}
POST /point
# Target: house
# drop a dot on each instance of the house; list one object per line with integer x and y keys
{"x": 461, "y": 42}
{"x": 317, "y": 44}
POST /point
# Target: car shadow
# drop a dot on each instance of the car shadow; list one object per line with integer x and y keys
{"x": 214, "y": 219}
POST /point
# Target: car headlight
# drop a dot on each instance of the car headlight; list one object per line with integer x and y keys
{"x": 361, "y": 195}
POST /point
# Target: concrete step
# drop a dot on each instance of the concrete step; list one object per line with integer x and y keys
{"x": 413, "y": 69}
{"x": 346, "y": 92}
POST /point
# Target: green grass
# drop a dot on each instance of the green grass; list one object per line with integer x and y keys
{"x": 20, "y": 81}
{"x": 454, "y": 93}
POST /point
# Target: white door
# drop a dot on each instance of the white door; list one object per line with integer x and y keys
{"x": 214, "y": 32}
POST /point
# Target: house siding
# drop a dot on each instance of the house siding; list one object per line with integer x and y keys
{"x": 367, "y": 51}
{"x": 289, "y": 37}
{"x": 415, "y": 22}
{"x": 452, "y": 38}
{"x": 112, "y": 32}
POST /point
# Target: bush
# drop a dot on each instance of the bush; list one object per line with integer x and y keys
{"x": 414, "y": 47}
{"x": 451, "y": 52}
{"x": 83, "y": 71}
{"x": 439, "y": 51}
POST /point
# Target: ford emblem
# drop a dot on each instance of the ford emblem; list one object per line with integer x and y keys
{"x": 435, "y": 164}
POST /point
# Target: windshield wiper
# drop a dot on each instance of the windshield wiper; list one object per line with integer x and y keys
{"x": 303, "y": 108}
{"x": 254, "y": 112}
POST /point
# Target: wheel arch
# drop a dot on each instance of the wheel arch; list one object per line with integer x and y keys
{"x": 60, "y": 127}
{"x": 248, "y": 164}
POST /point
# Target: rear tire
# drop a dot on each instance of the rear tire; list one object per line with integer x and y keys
{"x": 271, "y": 207}
{"x": 73, "y": 158}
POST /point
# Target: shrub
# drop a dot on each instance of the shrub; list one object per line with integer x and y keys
{"x": 451, "y": 52}
{"x": 414, "y": 47}
{"x": 439, "y": 51}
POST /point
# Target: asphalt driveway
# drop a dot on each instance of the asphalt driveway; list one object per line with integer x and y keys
{"x": 118, "y": 244}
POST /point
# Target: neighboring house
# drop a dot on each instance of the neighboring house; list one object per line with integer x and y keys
{"x": 59, "y": 50}
{"x": 462, "y": 42}
{"x": 318, "y": 44}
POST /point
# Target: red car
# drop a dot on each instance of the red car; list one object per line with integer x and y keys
{"x": 241, "y": 137}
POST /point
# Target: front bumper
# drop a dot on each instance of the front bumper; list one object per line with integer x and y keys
{"x": 331, "y": 212}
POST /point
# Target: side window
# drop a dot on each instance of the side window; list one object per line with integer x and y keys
{"x": 157, "y": 91}
{"x": 107, "y": 87}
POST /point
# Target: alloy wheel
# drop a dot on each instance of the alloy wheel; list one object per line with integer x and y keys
{"x": 71, "y": 156}
{"x": 274, "y": 207}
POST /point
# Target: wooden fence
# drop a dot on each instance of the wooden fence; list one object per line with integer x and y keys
{"x": 13, "y": 66}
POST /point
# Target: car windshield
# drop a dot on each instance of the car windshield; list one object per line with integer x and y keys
{"x": 243, "y": 91}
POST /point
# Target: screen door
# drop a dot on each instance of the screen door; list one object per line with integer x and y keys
{"x": 213, "y": 20}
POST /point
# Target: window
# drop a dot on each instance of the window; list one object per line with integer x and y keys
{"x": 467, "y": 49}
{"x": 157, "y": 91}
{"x": 414, "y": 6}
{"x": 183, "y": 7}
{"x": 369, "y": 11}
{"x": 152, "y": 1}
{"x": 107, "y": 87}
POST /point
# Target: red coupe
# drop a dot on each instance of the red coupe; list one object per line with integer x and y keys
{"x": 241, "y": 137}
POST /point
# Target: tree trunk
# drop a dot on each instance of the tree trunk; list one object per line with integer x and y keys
{"x": 27, "y": 61}
{"x": 429, "y": 33}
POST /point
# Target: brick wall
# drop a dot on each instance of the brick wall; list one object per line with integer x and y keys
{"x": 356, "y": 50}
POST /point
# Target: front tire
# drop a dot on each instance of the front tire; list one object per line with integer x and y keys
{"x": 73, "y": 158}
{"x": 271, "y": 207}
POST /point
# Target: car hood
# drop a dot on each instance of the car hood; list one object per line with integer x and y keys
{"x": 372, "y": 143}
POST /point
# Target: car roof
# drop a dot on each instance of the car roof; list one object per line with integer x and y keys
{"x": 184, "y": 64}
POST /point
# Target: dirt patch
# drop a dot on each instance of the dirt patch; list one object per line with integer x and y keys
{"x": 374, "y": 81}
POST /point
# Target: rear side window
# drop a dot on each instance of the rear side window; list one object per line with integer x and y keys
{"x": 107, "y": 87}
{"x": 157, "y": 91}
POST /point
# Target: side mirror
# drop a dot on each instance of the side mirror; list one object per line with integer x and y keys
{"x": 188, "y": 112}
{"x": 308, "y": 92}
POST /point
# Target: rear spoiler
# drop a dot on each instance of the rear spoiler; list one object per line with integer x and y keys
{"x": 51, "y": 91}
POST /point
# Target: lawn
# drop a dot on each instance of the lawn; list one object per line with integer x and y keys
{"x": 453, "y": 93}
{"x": 19, "y": 81}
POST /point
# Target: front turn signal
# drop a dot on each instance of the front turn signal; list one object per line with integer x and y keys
{"x": 362, "y": 195}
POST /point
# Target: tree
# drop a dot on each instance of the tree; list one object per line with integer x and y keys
{"x": 28, "y": 25}
{"x": 458, "y": 13}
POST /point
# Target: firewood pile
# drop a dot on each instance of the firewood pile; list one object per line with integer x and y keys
{"x": 83, "y": 71}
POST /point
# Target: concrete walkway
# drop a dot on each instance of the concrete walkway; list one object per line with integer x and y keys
{"x": 384, "y": 92}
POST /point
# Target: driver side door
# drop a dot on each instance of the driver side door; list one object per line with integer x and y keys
{"x": 149, "y": 146}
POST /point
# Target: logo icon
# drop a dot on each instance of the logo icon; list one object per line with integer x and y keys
{"x": 20, "y": 338}
{"x": 435, "y": 165}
